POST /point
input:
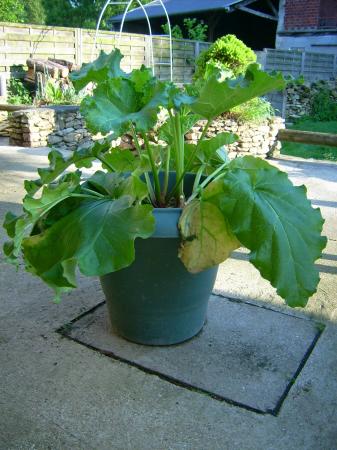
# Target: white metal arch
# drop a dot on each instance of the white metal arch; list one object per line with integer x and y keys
{"x": 129, "y": 3}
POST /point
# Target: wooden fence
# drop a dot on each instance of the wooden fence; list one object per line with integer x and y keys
{"x": 21, "y": 41}
{"x": 313, "y": 66}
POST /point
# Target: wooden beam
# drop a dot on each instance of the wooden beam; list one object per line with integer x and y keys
{"x": 308, "y": 137}
{"x": 256, "y": 13}
{"x": 246, "y": 2}
{"x": 272, "y": 7}
{"x": 12, "y": 108}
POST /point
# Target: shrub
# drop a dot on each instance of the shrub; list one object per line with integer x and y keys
{"x": 18, "y": 94}
{"x": 256, "y": 110}
{"x": 323, "y": 107}
{"x": 227, "y": 53}
{"x": 194, "y": 29}
{"x": 176, "y": 31}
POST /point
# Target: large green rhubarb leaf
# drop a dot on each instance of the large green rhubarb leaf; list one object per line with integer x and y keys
{"x": 206, "y": 237}
{"x": 83, "y": 157}
{"x": 209, "y": 154}
{"x": 122, "y": 160}
{"x": 217, "y": 96}
{"x": 19, "y": 227}
{"x": 106, "y": 66}
{"x": 51, "y": 196}
{"x": 117, "y": 104}
{"x": 98, "y": 236}
{"x": 276, "y": 221}
{"x": 116, "y": 185}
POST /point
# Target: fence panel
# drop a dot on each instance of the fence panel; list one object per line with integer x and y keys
{"x": 313, "y": 66}
{"x": 21, "y": 41}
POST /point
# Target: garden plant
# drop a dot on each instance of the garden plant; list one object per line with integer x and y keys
{"x": 91, "y": 222}
{"x": 231, "y": 56}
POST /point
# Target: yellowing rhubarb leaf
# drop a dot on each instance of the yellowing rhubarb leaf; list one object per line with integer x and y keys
{"x": 206, "y": 237}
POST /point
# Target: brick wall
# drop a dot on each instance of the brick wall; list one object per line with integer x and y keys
{"x": 302, "y": 14}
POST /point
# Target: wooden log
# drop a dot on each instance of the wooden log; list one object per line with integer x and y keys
{"x": 40, "y": 65}
{"x": 30, "y": 75}
{"x": 308, "y": 137}
{"x": 53, "y": 69}
{"x": 63, "y": 70}
{"x": 63, "y": 62}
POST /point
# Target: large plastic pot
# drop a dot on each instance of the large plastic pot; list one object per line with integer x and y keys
{"x": 156, "y": 301}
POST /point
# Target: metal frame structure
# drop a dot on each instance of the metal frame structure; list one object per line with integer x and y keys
{"x": 129, "y": 3}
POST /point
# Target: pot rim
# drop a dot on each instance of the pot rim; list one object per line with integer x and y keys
{"x": 166, "y": 222}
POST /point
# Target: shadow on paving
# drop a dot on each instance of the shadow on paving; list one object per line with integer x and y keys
{"x": 320, "y": 267}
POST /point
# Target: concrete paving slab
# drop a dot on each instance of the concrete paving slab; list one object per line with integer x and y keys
{"x": 245, "y": 355}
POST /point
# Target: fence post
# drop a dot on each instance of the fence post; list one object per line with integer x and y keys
{"x": 147, "y": 54}
{"x": 196, "y": 53}
{"x": 302, "y": 63}
{"x": 78, "y": 46}
{"x": 196, "y": 49}
{"x": 4, "y": 77}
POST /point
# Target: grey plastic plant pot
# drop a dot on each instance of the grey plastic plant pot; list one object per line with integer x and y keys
{"x": 156, "y": 301}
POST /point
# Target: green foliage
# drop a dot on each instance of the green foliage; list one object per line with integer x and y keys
{"x": 270, "y": 216}
{"x": 80, "y": 13}
{"x": 35, "y": 12}
{"x": 312, "y": 151}
{"x": 226, "y": 53}
{"x": 215, "y": 98}
{"x": 56, "y": 92}
{"x": 323, "y": 107}
{"x": 97, "y": 236}
{"x": 30, "y": 11}
{"x": 71, "y": 13}
{"x": 18, "y": 94}
{"x": 12, "y": 11}
{"x": 176, "y": 31}
{"x": 193, "y": 29}
{"x": 103, "y": 68}
{"x": 256, "y": 110}
{"x": 59, "y": 13}
{"x": 196, "y": 31}
{"x": 91, "y": 223}
{"x": 120, "y": 99}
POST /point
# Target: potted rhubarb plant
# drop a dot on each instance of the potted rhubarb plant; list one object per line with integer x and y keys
{"x": 155, "y": 222}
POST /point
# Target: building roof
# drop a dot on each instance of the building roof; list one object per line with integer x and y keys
{"x": 176, "y": 7}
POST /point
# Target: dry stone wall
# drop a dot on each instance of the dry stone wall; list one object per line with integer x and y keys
{"x": 69, "y": 132}
{"x": 39, "y": 127}
{"x": 299, "y": 97}
{"x": 31, "y": 127}
{"x": 255, "y": 139}
{"x": 4, "y": 124}
{"x": 3, "y": 116}
{"x": 64, "y": 129}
